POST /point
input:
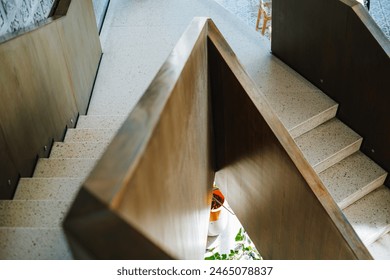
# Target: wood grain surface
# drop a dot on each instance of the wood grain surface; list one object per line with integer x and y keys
{"x": 46, "y": 78}
{"x": 202, "y": 113}
{"x": 157, "y": 174}
{"x": 338, "y": 47}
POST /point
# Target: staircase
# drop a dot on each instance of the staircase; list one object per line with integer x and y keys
{"x": 30, "y": 225}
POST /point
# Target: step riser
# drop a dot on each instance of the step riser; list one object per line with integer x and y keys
{"x": 364, "y": 191}
{"x": 78, "y": 150}
{"x": 314, "y": 122}
{"x": 89, "y": 135}
{"x": 339, "y": 156}
{"x": 372, "y": 238}
{"x": 69, "y": 168}
{"x": 30, "y": 213}
{"x": 47, "y": 189}
{"x": 370, "y": 216}
{"x": 33, "y": 244}
{"x": 100, "y": 122}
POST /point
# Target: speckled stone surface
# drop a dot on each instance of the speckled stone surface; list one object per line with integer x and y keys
{"x": 78, "y": 149}
{"x": 352, "y": 178}
{"x": 89, "y": 135}
{"x": 32, "y": 213}
{"x": 33, "y": 244}
{"x": 47, "y": 188}
{"x": 95, "y": 121}
{"x": 328, "y": 143}
{"x": 370, "y": 216}
{"x": 131, "y": 59}
{"x": 302, "y": 111}
{"x": 380, "y": 248}
{"x": 71, "y": 168}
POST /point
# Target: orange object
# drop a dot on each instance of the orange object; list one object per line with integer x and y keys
{"x": 214, "y": 213}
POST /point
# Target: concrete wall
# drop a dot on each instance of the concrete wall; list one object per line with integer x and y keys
{"x": 18, "y": 14}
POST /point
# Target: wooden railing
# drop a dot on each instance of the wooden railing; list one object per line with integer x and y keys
{"x": 337, "y": 46}
{"x": 46, "y": 78}
{"x": 149, "y": 196}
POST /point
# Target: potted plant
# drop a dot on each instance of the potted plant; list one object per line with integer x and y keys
{"x": 218, "y": 214}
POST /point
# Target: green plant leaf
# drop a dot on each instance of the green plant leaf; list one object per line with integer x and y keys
{"x": 239, "y": 236}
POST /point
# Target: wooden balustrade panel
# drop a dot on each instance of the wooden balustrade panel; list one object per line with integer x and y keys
{"x": 338, "y": 47}
{"x": 149, "y": 195}
{"x": 82, "y": 51}
{"x": 274, "y": 192}
{"x": 36, "y": 95}
{"x": 8, "y": 172}
{"x": 46, "y": 77}
{"x": 154, "y": 181}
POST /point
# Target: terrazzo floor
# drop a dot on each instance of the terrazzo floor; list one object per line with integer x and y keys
{"x": 246, "y": 11}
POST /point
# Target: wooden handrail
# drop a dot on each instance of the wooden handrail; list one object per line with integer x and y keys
{"x": 46, "y": 78}
{"x": 203, "y": 114}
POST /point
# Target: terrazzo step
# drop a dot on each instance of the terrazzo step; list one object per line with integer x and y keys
{"x": 301, "y": 111}
{"x": 70, "y": 168}
{"x": 352, "y": 178}
{"x": 32, "y": 213}
{"x": 328, "y": 144}
{"x": 380, "y": 249}
{"x": 78, "y": 149}
{"x": 100, "y": 121}
{"x": 33, "y": 244}
{"x": 47, "y": 188}
{"x": 370, "y": 216}
{"x": 89, "y": 135}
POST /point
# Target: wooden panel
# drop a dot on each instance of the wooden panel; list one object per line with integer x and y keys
{"x": 36, "y": 104}
{"x": 157, "y": 174}
{"x": 338, "y": 47}
{"x": 79, "y": 36}
{"x": 39, "y": 91}
{"x": 275, "y": 193}
{"x": 8, "y": 173}
{"x": 154, "y": 180}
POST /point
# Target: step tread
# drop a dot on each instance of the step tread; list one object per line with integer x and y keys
{"x": 352, "y": 178}
{"x": 100, "y": 121}
{"x": 328, "y": 143}
{"x": 70, "y": 168}
{"x": 301, "y": 111}
{"x": 47, "y": 188}
{"x": 380, "y": 249}
{"x": 370, "y": 216}
{"x": 78, "y": 149}
{"x": 89, "y": 135}
{"x": 32, "y": 213}
{"x": 33, "y": 244}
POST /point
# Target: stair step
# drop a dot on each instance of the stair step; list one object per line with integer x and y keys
{"x": 47, "y": 188}
{"x": 328, "y": 144}
{"x": 100, "y": 121}
{"x": 33, "y": 244}
{"x": 370, "y": 216}
{"x": 352, "y": 178}
{"x": 78, "y": 149}
{"x": 380, "y": 249}
{"x": 89, "y": 135}
{"x": 70, "y": 168}
{"x": 32, "y": 213}
{"x": 302, "y": 111}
